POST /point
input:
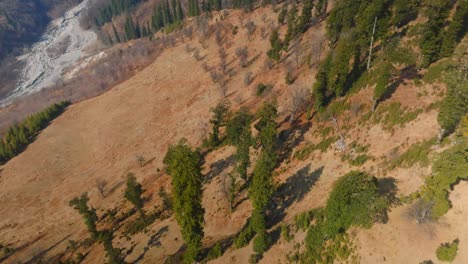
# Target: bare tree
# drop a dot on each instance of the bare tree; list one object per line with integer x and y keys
{"x": 263, "y": 32}
{"x": 296, "y": 50}
{"x": 229, "y": 189}
{"x": 203, "y": 28}
{"x": 141, "y": 160}
{"x": 196, "y": 54}
{"x": 299, "y": 98}
{"x": 101, "y": 185}
{"x": 421, "y": 211}
{"x": 205, "y": 67}
{"x": 356, "y": 107}
{"x": 242, "y": 54}
{"x": 267, "y": 64}
{"x": 188, "y": 32}
{"x": 218, "y": 34}
{"x": 248, "y": 78}
{"x": 222, "y": 60}
{"x": 251, "y": 27}
{"x": 215, "y": 77}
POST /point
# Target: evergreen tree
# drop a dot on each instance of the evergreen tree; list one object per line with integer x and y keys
{"x": 292, "y": 27}
{"x": 239, "y": 135}
{"x": 89, "y": 214}
{"x": 321, "y": 83}
{"x": 282, "y": 14}
{"x": 133, "y": 194}
{"x": 321, "y": 8}
{"x": 457, "y": 29}
{"x": 276, "y": 46}
{"x": 130, "y": 29}
{"x": 184, "y": 165}
{"x": 179, "y": 11}
{"x": 262, "y": 188}
{"x": 219, "y": 119}
{"x": 383, "y": 83}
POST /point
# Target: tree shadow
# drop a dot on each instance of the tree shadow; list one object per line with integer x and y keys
{"x": 289, "y": 139}
{"x": 20, "y": 248}
{"x": 407, "y": 73}
{"x": 154, "y": 241}
{"x": 387, "y": 188}
{"x": 293, "y": 190}
{"x": 39, "y": 256}
{"x": 219, "y": 166}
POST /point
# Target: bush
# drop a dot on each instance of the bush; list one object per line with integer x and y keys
{"x": 215, "y": 252}
{"x": 448, "y": 251}
{"x": 286, "y": 232}
{"x": 244, "y": 237}
{"x": 261, "y": 88}
{"x": 450, "y": 167}
{"x": 354, "y": 201}
{"x": 418, "y": 153}
{"x": 303, "y": 220}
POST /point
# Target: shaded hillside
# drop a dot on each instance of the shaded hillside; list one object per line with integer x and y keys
{"x": 23, "y": 21}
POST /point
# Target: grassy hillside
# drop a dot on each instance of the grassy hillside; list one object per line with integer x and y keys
{"x": 269, "y": 135}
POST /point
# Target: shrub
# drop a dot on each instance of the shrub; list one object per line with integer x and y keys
{"x": 418, "y": 153}
{"x": 261, "y": 88}
{"x": 244, "y": 237}
{"x": 303, "y": 220}
{"x": 354, "y": 201}
{"x": 286, "y": 232}
{"x": 215, "y": 252}
{"x": 448, "y": 251}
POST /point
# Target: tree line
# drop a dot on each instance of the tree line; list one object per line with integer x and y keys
{"x": 20, "y": 135}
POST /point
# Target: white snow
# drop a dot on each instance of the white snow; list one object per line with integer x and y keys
{"x": 42, "y": 67}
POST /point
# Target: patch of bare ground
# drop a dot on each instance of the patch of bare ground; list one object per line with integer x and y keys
{"x": 402, "y": 240}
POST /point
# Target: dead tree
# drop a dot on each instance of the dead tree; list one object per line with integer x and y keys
{"x": 371, "y": 44}
{"x": 242, "y": 54}
{"x": 101, "y": 186}
{"x": 341, "y": 143}
{"x": 222, "y": 60}
{"x": 299, "y": 99}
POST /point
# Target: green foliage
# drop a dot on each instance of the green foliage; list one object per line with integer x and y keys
{"x": 113, "y": 254}
{"x": 304, "y": 152}
{"x": 167, "y": 202}
{"x": 431, "y": 41}
{"x": 239, "y": 135}
{"x": 215, "y": 252}
{"x": 393, "y": 114}
{"x": 218, "y": 120}
{"x": 261, "y": 88}
{"x": 405, "y": 11}
{"x": 133, "y": 193}
{"x": 282, "y": 14}
{"x": 266, "y": 126}
{"x": 321, "y": 83}
{"x": 457, "y": 29}
{"x": 276, "y": 46}
{"x": 139, "y": 224}
{"x": 454, "y": 105}
{"x": 89, "y": 214}
{"x": 450, "y": 167}
{"x": 113, "y": 9}
{"x": 436, "y": 70}
{"x": 448, "y": 251}
{"x": 325, "y": 143}
{"x": 303, "y": 219}
{"x": 383, "y": 81}
{"x": 244, "y": 237}
{"x": 354, "y": 201}
{"x": 416, "y": 154}
{"x": 184, "y": 165}
{"x": 19, "y": 136}
{"x": 286, "y": 233}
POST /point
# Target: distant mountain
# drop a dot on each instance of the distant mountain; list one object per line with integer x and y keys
{"x": 23, "y": 21}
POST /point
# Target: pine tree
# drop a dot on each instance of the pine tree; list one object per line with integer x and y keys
{"x": 219, "y": 119}
{"x": 133, "y": 194}
{"x": 321, "y": 83}
{"x": 276, "y": 46}
{"x": 89, "y": 214}
{"x": 383, "y": 83}
{"x": 239, "y": 135}
{"x": 457, "y": 29}
{"x": 184, "y": 165}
